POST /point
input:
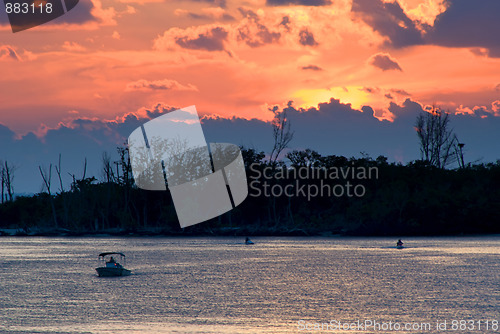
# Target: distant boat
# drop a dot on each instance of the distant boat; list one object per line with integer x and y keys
{"x": 399, "y": 244}
{"x": 248, "y": 241}
{"x": 400, "y": 247}
{"x": 110, "y": 267}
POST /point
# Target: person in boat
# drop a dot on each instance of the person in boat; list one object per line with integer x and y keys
{"x": 112, "y": 263}
{"x": 399, "y": 243}
{"x": 248, "y": 241}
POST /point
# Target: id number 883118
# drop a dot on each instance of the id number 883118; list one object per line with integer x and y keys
{"x": 32, "y": 8}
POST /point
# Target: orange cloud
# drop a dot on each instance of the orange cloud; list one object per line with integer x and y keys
{"x": 165, "y": 84}
{"x": 480, "y": 111}
{"x": 73, "y": 47}
{"x": 234, "y": 67}
{"x": 424, "y": 11}
{"x": 495, "y": 106}
{"x": 206, "y": 37}
{"x": 210, "y": 13}
{"x": 107, "y": 16}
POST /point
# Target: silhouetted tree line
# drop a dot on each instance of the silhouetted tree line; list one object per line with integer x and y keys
{"x": 420, "y": 198}
{"x": 414, "y": 199}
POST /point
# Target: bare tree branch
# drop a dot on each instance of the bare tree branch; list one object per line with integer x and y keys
{"x": 47, "y": 178}
{"x": 438, "y": 143}
{"x": 7, "y": 175}
{"x": 282, "y": 133}
{"x": 58, "y": 171}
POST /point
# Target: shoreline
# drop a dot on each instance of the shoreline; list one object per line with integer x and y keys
{"x": 227, "y": 233}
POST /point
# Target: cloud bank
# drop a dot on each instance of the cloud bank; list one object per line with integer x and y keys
{"x": 330, "y": 128}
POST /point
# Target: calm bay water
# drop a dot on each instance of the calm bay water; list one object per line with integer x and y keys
{"x": 220, "y": 285}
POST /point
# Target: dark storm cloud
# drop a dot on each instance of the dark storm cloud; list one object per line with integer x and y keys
{"x": 213, "y": 40}
{"x": 298, "y": 2}
{"x": 331, "y": 128}
{"x": 306, "y": 38}
{"x": 465, "y": 23}
{"x": 389, "y": 20}
{"x": 331, "y": 125}
{"x": 384, "y": 62}
{"x": 468, "y": 24}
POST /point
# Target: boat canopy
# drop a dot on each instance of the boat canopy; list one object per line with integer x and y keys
{"x": 111, "y": 253}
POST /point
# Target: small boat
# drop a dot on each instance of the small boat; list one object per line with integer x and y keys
{"x": 110, "y": 267}
{"x": 400, "y": 247}
{"x": 248, "y": 241}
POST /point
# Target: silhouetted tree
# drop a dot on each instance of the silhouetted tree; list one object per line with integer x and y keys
{"x": 251, "y": 156}
{"x": 7, "y": 176}
{"x": 282, "y": 133}
{"x": 47, "y": 179}
{"x": 282, "y": 136}
{"x": 305, "y": 158}
{"x": 460, "y": 154}
{"x": 109, "y": 175}
{"x": 62, "y": 192}
{"x": 437, "y": 140}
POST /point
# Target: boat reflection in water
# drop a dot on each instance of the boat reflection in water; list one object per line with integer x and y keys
{"x": 110, "y": 267}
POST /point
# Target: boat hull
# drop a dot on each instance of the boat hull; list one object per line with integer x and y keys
{"x": 109, "y": 272}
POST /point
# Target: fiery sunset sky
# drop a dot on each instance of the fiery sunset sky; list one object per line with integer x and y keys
{"x": 83, "y": 73}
